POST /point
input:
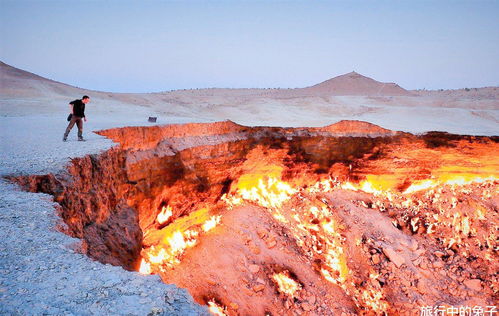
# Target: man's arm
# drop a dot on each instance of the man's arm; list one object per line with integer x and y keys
{"x": 71, "y": 108}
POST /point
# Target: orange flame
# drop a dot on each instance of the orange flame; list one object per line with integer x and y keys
{"x": 216, "y": 309}
{"x": 145, "y": 267}
{"x": 335, "y": 258}
{"x": 269, "y": 192}
{"x": 211, "y": 223}
{"x": 447, "y": 179}
{"x": 170, "y": 243}
{"x": 286, "y": 284}
{"x": 164, "y": 215}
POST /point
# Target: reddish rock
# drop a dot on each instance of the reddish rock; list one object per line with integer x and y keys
{"x": 306, "y": 306}
{"x": 234, "y": 306}
{"x": 394, "y": 257}
{"x": 438, "y": 264}
{"x": 262, "y": 233}
{"x": 271, "y": 243}
{"x": 254, "y": 248}
{"x": 211, "y": 281}
{"x": 253, "y": 268}
{"x": 474, "y": 284}
{"x": 117, "y": 240}
{"x": 421, "y": 287}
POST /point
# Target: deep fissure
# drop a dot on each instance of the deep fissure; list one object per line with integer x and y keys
{"x": 349, "y": 218}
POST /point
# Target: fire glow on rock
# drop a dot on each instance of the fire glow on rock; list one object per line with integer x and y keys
{"x": 285, "y": 221}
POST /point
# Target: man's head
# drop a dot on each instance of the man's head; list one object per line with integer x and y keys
{"x": 85, "y": 99}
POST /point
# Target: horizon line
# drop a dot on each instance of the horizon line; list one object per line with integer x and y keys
{"x": 249, "y": 88}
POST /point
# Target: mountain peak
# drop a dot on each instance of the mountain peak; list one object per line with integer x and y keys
{"x": 353, "y": 83}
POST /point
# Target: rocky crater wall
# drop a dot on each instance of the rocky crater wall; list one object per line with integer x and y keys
{"x": 108, "y": 199}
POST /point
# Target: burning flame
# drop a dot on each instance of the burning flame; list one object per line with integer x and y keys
{"x": 269, "y": 192}
{"x": 261, "y": 182}
{"x": 316, "y": 229}
{"x": 326, "y": 185}
{"x": 164, "y": 215}
{"x": 321, "y": 238}
{"x": 171, "y": 248}
{"x": 379, "y": 187}
{"x": 216, "y": 309}
{"x": 172, "y": 241}
{"x": 349, "y": 186}
{"x": 286, "y": 284}
{"x": 145, "y": 267}
{"x": 453, "y": 180}
{"x": 335, "y": 258}
{"x": 211, "y": 223}
{"x": 178, "y": 243}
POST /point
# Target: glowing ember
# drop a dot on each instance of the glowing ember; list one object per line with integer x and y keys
{"x": 164, "y": 215}
{"x": 269, "y": 192}
{"x": 157, "y": 257}
{"x": 420, "y": 185}
{"x": 286, "y": 284}
{"x": 172, "y": 241}
{"x": 171, "y": 248}
{"x": 178, "y": 243}
{"x": 374, "y": 300}
{"x": 335, "y": 258}
{"x": 145, "y": 267}
{"x": 324, "y": 186}
{"x": 216, "y": 309}
{"x": 211, "y": 223}
{"x": 453, "y": 180}
{"x": 349, "y": 186}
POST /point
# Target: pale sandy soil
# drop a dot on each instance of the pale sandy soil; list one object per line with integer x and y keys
{"x": 346, "y": 97}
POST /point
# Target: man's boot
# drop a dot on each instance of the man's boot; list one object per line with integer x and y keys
{"x": 80, "y": 136}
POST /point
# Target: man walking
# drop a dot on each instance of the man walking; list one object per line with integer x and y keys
{"x": 78, "y": 115}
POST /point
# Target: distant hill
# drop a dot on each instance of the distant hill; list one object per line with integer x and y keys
{"x": 19, "y": 83}
{"x": 346, "y": 97}
{"x": 356, "y": 84}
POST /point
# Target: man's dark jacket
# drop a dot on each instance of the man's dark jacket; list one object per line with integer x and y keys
{"x": 78, "y": 108}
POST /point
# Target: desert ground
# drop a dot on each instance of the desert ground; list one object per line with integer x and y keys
{"x": 351, "y": 96}
{"x": 44, "y": 270}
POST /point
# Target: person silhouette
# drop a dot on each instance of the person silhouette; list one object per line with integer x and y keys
{"x": 77, "y": 117}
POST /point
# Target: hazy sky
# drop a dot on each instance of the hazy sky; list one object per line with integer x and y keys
{"x": 145, "y": 46}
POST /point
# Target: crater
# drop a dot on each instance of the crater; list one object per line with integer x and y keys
{"x": 349, "y": 218}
